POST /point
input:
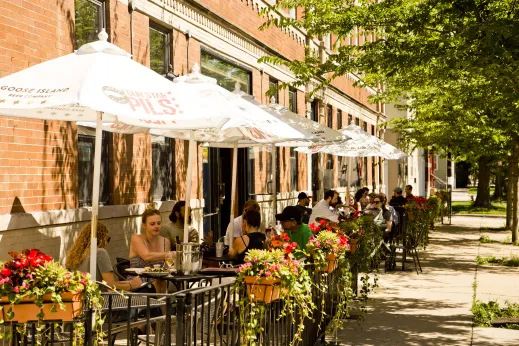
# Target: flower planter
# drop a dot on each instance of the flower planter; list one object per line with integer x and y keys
{"x": 262, "y": 289}
{"x": 27, "y": 310}
{"x": 332, "y": 263}
{"x": 353, "y": 245}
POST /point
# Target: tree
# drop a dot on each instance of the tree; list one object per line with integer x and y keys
{"x": 424, "y": 49}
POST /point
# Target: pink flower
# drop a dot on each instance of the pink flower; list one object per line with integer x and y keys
{"x": 4, "y": 280}
{"x": 267, "y": 274}
{"x": 16, "y": 289}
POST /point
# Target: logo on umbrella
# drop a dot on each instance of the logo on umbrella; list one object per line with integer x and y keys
{"x": 115, "y": 95}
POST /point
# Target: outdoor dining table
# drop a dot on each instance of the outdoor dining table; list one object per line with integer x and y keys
{"x": 214, "y": 261}
{"x": 181, "y": 282}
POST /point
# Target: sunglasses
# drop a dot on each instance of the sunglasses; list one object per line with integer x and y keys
{"x": 376, "y": 201}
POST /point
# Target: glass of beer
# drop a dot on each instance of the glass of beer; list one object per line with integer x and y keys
{"x": 170, "y": 259}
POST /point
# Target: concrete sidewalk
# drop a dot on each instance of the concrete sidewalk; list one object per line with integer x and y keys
{"x": 433, "y": 308}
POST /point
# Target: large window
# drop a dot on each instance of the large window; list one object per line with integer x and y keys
{"x": 226, "y": 73}
{"x": 160, "y": 49}
{"x": 273, "y": 84}
{"x": 357, "y": 121}
{"x": 292, "y": 100}
{"x": 162, "y": 168}
{"x": 350, "y": 119}
{"x": 90, "y": 19}
{"x": 86, "y": 152}
{"x": 339, "y": 119}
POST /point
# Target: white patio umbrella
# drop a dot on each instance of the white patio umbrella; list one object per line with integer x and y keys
{"x": 257, "y": 127}
{"x": 101, "y": 83}
{"x": 317, "y": 134}
{"x": 362, "y": 145}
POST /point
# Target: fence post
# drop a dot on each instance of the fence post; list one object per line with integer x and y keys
{"x": 180, "y": 319}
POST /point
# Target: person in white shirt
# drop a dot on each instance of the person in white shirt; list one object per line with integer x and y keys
{"x": 250, "y": 205}
{"x": 322, "y": 209}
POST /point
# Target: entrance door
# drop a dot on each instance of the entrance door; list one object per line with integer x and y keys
{"x": 217, "y": 176}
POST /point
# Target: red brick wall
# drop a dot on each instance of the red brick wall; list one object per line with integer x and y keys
{"x": 38, "y": 158}
{"x": 244, "y": 15}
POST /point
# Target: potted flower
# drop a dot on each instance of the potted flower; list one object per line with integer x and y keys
{"x": 325, "y": 247}
{"x": 268, "y": 276}
{"x": 33, "y": 287}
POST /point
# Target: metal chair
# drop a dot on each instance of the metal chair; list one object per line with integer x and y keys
{"x": 120, "y": 267}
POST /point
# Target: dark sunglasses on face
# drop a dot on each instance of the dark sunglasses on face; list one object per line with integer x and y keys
{"x": 376, "y": 202}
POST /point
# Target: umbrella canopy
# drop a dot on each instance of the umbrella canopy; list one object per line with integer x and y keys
{"x": 312, "y": 131}
{"x": 362, "y": 145}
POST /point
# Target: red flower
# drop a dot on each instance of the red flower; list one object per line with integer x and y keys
{"x": 286, "y": 237}
{"x": 314, "y": 227}
{"x": 322, "y": 222}
{"x": 356, "y": 214}
{"x": 6, "y": 272}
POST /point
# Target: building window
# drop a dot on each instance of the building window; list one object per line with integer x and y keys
{"x": 162, "y": 168}
{"x": 314, "y": 110}
{"x": 339, "y": 119}
{"x": 89, "y": 21}
{"x": 273, "y": 91}
{"x": 365, "y": 126}
{"x": 436, "y": 161}
{"x": 160, "y": 56}
{"x": 294, "y": 163}
{"x": 350, "y": 119}
{"x": 86, "y": 152}
{"x": 329, "y": 117}
{"x": 292, "y": 100}
{"x": 225, "y": 73}
{"x": 357, "y": 121}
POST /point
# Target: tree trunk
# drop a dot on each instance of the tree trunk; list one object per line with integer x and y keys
{"x": 483, "y": 196}
{"x": 510, "y": 191}
{"x": 515, "y": 208}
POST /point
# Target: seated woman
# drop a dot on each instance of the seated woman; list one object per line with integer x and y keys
{"x": 384, "y": 219}
{"x": 78, "y": 258}
{"x": 149, "y": 248}
{"x": 252, "y": 238}
{"x": 174, "y": 231}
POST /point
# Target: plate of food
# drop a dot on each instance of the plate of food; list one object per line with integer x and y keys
{"x": 156, "y": 271}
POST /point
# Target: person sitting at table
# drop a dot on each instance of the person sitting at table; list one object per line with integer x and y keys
{"x": 252, "y": 238}
{"x": 149, "y": 248}
{"x": 322, "y": 209}
{"x": 297, "y": 231}
{"x": 78, "y": 258}
{"x": 174, "y": 231}
{"x": 237, "y": 231}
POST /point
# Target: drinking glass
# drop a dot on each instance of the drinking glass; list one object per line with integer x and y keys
{"x": 170, "y": 259}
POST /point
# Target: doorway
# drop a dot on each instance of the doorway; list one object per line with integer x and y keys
{"x": 217, "y": 181}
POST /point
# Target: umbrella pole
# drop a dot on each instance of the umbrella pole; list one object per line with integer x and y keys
{"x": 321, "y": 186}
{"x": 274, "y": 183}
{"x": 309, "y": 173}
{"x": 348, "y": 189}
{"x": 95, "y": 195}
{"x": 233, "y": 187}
{"x": 189, "y": 183}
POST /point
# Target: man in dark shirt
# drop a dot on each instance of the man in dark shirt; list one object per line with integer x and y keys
{"x": 302, "y": 206}
{"x": 398, "y": 200}
{"x": 409, "y": 192}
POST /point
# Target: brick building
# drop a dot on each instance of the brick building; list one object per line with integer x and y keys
{"x": 46, "y": 178}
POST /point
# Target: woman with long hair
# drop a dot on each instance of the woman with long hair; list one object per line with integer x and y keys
{"x": 78, "y": 258}
{"x": 252, "y": 238}
{"x": 149, "y": 248}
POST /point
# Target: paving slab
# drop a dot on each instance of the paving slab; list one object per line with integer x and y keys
{"x": 433, "y": 308}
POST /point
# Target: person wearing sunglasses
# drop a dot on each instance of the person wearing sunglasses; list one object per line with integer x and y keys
{"x": 383, "y": 219}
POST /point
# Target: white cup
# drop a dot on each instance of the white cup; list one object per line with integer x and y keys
{"x": 219, "y": 249}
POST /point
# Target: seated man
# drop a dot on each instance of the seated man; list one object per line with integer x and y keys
{"x": 322, "y": 209}
{"x": 398, "y": 200}
{"x": 297, "y": 231}
{"x": 302, "y": 204}
{"x": 409, "y": 192}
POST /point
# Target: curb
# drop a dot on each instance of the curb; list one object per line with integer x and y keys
{"x": 481, "y": 215}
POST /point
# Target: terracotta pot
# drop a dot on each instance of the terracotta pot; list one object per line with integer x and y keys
{"x": 28, "y": 311}
{"x": 262, "y": 289}
{"x": 353, "y": 245}
{"x": 332, "y": 263}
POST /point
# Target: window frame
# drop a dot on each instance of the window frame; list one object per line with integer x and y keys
{"x": 329, "y": 116}
{"x": 167, "y": 46}
{"x": 101, "y": 17}
{"x": 350, "y": 119}
{"x": 339, "y": 119}
{"x": 273, "y": 81}
{"x": 292, "y": 100}
{"x": 105, "y": 182}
